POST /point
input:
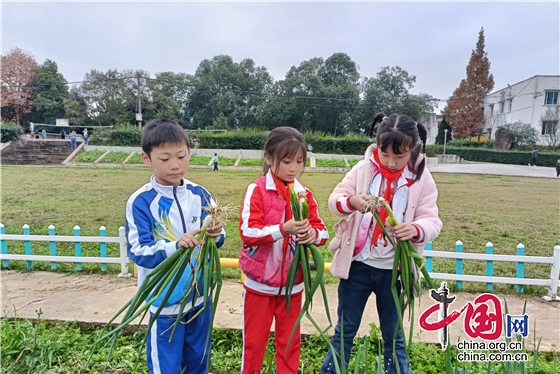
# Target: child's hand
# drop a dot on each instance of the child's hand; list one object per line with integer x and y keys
{"x": 296, "y": 227}
{"x": 308, "y": 236}
{"x": 405, "y": 231}
{"x": 214, "y": 229}
{"x": 189, "y": 240}
{"x": 357, "y": 201}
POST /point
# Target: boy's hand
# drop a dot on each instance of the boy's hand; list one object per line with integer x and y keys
{"x": 296, "y": 227}
{"x": 189, "y": 240}
{"x": 405, "y": 231}
{"x": 214, "y": 229}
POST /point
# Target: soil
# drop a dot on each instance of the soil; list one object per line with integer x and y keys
{"x": 95, "y": 298}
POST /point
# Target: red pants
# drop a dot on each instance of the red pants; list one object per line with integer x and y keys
{"x": 258, "y": 311}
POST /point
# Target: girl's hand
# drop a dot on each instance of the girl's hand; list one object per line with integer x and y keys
{"x": 405, "y": 231}
{"x": 189, "y": 240}
{"x": 214, "y": 229}
{"x": 296, "y": 227}
{"x": 307, "y": 237}
{"x": 357, "y": 202}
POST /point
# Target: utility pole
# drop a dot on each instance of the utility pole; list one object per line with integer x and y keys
{"x": 139, "y": 113}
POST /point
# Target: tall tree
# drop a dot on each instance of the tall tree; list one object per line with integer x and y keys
{"x": 464, "y": 110}
{"x": 17, "y": 74}
{"x": 389, "y": 92}
{"x": 441, "y": 132}
{"x": 50, "y": 90}
{"x": 226, "y": 94}
{"x": 170, "y": 94}
{"x": 112, "y": 97}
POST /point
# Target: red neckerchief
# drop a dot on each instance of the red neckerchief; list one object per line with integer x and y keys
{"x": 390, "y": 176}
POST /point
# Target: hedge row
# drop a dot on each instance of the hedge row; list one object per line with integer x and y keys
{"x": 501, "y": 157}
{"x": 356, "y": 145}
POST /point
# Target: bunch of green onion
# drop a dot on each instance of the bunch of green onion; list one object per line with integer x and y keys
{"x": 300, "y": 211}
{"x": 410, "y": 264}
{"x": 205, "y": 263}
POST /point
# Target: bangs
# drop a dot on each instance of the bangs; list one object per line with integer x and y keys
{"x": 399, "y": 142}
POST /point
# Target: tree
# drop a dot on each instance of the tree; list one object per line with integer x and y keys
{"x": 112, "y": 97}
{"x": 389, "y": 92}
{"x": 551, "y": 129}
{"x": 464, "y": 110}
{"x": 18, "y": 71}
{"x": 441, "y": 132}
{"x": 50, "y": 90}
{"x": 232, "y": 92}
{"x": 520, "y": 133}
{"x": 170, "y": 95}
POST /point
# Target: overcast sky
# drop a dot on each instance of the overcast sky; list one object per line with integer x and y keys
{"x": 432, "y": 41}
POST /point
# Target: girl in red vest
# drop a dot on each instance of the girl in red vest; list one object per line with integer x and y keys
{"x": 269, "y": 234}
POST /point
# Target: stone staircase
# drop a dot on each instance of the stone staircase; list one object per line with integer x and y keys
{"x": 36, "y": 152}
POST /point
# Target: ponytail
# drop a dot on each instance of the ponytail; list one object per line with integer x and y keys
{"x": 423, "y": 134}
{"x": 377, "y": 119}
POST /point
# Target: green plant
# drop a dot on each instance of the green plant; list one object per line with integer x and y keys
{"x": 200, "y": 160}
{"x": 250, "y": 162}
{"x": 135, "y": 159}
{"x": 114, "y": 157}
{"x": 330, "y": 163}
{"x": 9, "y": 132}
{"x": 88, "y": 156}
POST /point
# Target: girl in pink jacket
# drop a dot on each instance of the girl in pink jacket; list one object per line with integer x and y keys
{"x": 269, "y": 233}
{"x": 394, "y": 169}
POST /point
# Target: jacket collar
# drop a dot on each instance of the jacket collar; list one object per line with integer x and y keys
{"x": 168, "y": 191}
{"x": 270, "y": 185}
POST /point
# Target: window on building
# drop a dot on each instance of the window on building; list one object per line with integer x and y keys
{"x": 510, "y": 104}
{"x": 549, "y": 127}
{"x": 491, "y": 109}
{"x": 551, "y": 98}
{"x": 503, "y": 107}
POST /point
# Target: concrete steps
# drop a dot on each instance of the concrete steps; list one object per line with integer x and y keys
{"x": 36, "y": 152}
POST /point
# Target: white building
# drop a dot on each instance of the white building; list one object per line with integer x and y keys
{"x": 534, "y": 101}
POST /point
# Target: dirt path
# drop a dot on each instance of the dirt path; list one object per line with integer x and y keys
{"x": 96, "y": 298}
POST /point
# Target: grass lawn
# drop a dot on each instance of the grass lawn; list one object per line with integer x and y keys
{"x": 475, "y": 209}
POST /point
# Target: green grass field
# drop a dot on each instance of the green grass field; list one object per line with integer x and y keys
{"x": 475, "y": 209}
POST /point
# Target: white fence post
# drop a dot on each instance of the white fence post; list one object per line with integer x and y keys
{"x": 123, "y": 254}
{"x": 554, "y": 274}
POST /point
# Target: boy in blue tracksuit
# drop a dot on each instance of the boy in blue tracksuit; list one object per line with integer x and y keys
{"x": 162, "y": 216}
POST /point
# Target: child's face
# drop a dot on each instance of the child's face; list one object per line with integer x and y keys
{"x": 170, "y": 162}
{"x": 393, "y": 161}
{"x": 287, "y": 169}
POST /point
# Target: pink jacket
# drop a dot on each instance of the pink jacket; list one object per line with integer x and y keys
{"x": 421, "y": 209}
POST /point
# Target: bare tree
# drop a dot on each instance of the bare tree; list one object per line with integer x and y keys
{"x": 18, "y": 71}
{"x": 551, "y": 129}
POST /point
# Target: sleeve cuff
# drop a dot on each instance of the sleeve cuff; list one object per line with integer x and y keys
{"x": 343, "y": 205}
{"x": 419, "y": 234}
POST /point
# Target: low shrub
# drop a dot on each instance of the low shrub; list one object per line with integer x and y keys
{"x": 9, "y": 132}
{"x": 114, "y": 157}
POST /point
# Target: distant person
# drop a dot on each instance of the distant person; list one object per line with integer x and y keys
{"x": 197, "y": 142}
{"x": 31, "y": 127}
{"x": 162, "y": 216}
{"x": 86, "y": 136}
{"x": 558, "y": 168}
{"x": 62, "y": 134}
{"x": 44, "y": 133}
{"x": 37, "y": 136}
{"x": 73, "y": 139}
{"x": 534, "y": 156}
{"x": 215, "y": 160}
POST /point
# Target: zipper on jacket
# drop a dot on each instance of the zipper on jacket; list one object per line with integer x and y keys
{"x": 180, "y": 210}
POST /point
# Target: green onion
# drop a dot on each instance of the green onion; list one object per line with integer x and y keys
{"x": 300, "y": 211}
{"x": 162, "y": 280}
{"x": 409, "y": 262}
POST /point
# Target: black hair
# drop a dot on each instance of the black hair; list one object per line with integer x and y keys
{"x": 283, "y": 142}
{"x": 160, "y": 131}
{"x": 402, "y": 134}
